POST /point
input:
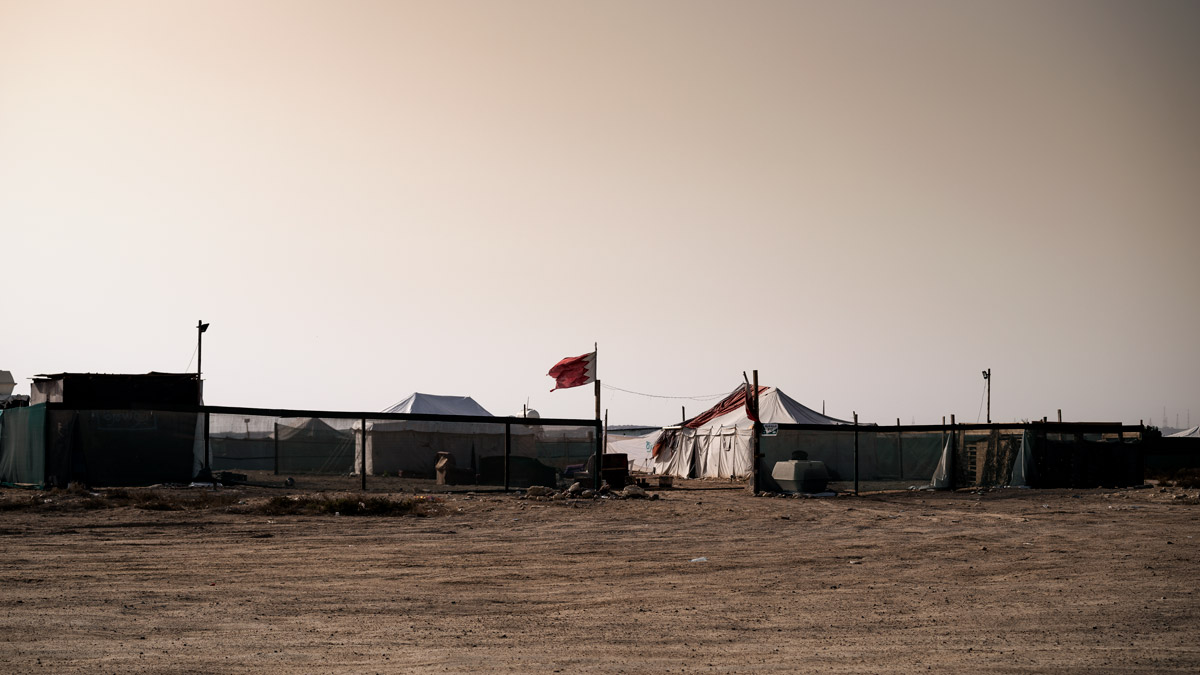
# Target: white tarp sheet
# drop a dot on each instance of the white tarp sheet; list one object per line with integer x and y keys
{"x": 639, "y": 449}
{"x": 941, "y": 475}
{"x": 1023, "y": 464}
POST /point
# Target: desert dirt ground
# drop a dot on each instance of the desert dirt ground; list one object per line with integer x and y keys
{"x": 706, "y": 579}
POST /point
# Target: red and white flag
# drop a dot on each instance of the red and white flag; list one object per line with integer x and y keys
{"x": 574, "y": 371}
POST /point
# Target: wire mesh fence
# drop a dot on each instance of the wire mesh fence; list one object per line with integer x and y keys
{"x": 870, "y": 458}
{"x": 53, "y": 445}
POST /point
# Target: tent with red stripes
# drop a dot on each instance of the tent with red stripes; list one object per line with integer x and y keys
{"x": 717, "y": 442}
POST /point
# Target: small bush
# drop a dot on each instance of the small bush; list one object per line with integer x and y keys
{"x": 81, "y": 499}
{"x": 346, "y": 506}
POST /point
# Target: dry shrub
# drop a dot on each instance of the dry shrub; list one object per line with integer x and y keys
{"x": 346, "y": 506}
{"x": 1184, "y": 478}
{"x": 79, "y": 498}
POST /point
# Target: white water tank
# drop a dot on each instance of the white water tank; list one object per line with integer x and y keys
{"x": 800, "y": 475}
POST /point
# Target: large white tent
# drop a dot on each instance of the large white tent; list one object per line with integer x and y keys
{"x": 410, "y": 448}
{"x": 716, "y": 443}
{"x": 1194, "y": 432}
{"x": 432, "y": 404}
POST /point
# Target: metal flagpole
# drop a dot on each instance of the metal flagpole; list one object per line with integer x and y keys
{"x": 599, "y": 435}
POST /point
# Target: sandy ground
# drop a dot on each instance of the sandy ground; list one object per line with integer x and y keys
{"x": 1001, "y": 581}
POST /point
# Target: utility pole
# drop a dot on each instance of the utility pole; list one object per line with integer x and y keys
{"x": 987, "y": 377}
{"x": 206, "y": 470}
{"x": 200, "y": 328}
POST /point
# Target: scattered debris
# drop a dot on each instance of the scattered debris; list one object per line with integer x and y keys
{"x": 577, "y": 491}
{"x": 633, "y": 491}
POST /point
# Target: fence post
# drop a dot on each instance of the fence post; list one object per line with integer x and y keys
{"x": 856, "y": 453}
{"x": 207, "y": 451}
{"x": 599, "y": 441}
{"x": 952, "y": 470}
{"x": 363, "y": 472}
{"x": 899, "y": 450}
{"x": 44, "y": 478}
{"x": 275, "y": 443}
{"x": 507, "y": 451}
{"x": 755, "y": 442}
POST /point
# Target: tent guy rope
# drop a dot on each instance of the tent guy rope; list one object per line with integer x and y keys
{"x": 703, "y": 397}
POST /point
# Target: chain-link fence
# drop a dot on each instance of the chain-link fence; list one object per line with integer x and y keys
{"x": 1045, "y": 454}
{"x": 52, "y": 445}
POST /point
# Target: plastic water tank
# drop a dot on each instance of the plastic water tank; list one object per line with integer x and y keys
{"x": 799, "y": 475}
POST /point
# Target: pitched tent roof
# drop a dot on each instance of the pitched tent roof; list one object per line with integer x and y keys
{"x": 716, "y": 443}
{"x": 1194, "y": 432}
{"x": 774, "y": 407}
{"x": 309, "y": 427}
{"x": 410, "y": 446}
{"x": 431, "y": 404}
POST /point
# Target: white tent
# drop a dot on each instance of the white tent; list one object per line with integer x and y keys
{"x": 716, "y": 443}
{"x": 1194, "y": 432}
{"x": 431, "y": 404}
{"x": 410, "y": 448}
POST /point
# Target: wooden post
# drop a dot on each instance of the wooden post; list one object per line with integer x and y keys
{"x": 363, "y": 474}
{"x": 856, "y": 453}
{"x": 899, "y": 450}
{"x": 275, "y": 438}
{"x": 1060, "y": 415}
{"x": 755, "y": 440}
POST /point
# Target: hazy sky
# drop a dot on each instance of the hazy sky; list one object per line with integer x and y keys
{"x": 869, "y": 202}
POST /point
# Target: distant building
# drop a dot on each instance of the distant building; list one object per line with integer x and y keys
{"x": 100, "y": 390}
{"x": 7, "y": 398}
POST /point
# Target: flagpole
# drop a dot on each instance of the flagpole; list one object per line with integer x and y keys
{"x": 596, "y": 370}
{"x": 599, "y": 435}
